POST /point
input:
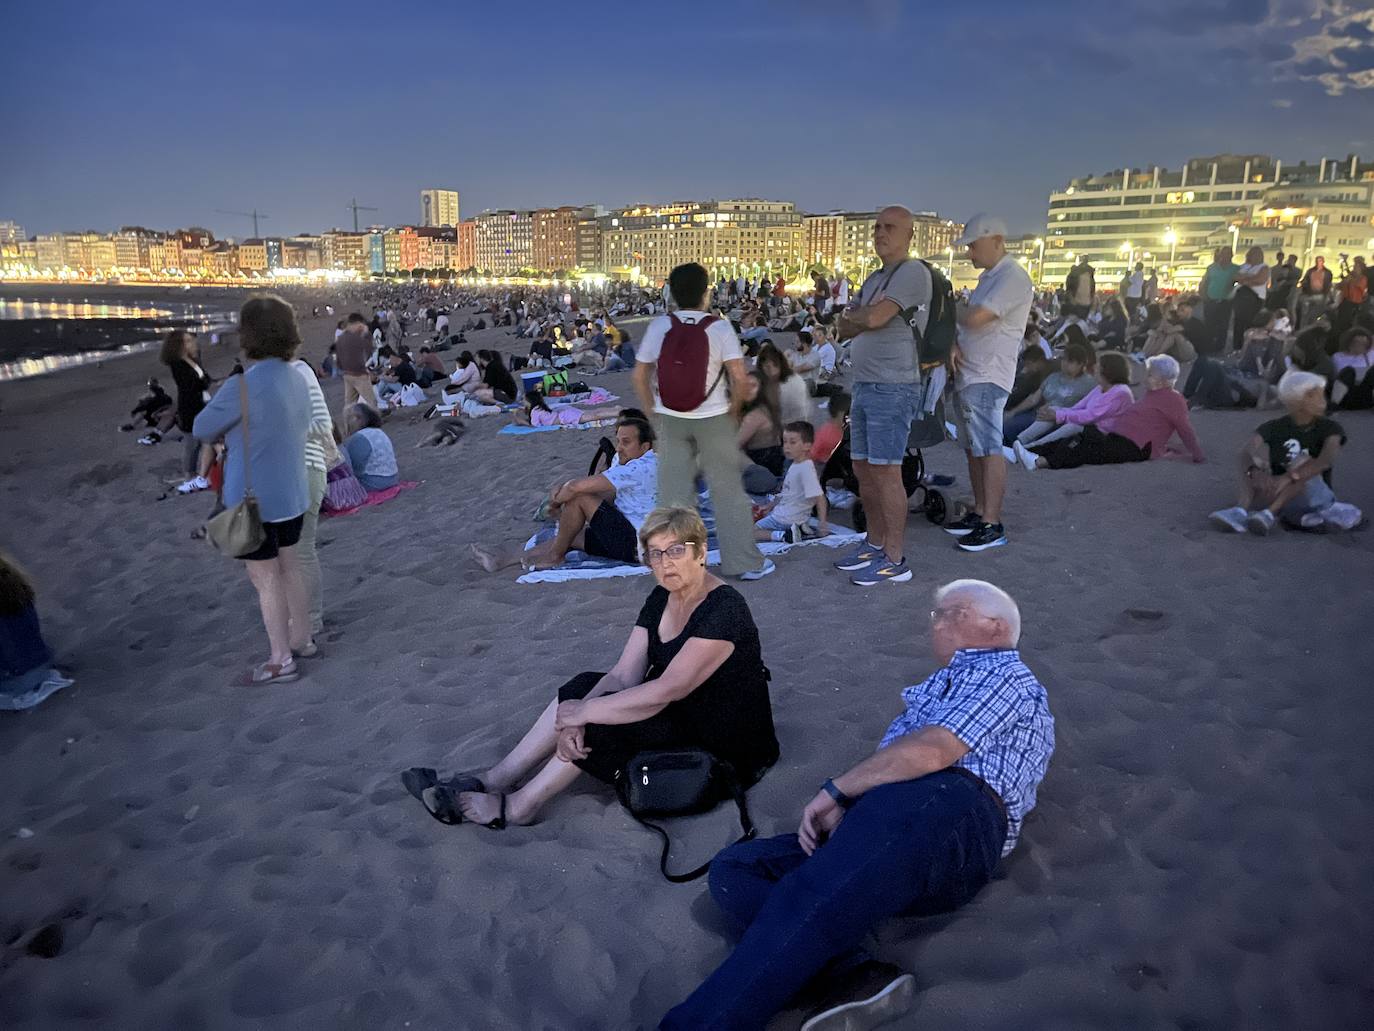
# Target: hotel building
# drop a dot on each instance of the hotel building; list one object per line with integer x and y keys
{"x": 439, "y": 208}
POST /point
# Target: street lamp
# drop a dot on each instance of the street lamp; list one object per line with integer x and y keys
{"x": 950, "y": 250}
{"x": 1040, "y": 262}
{"x": 1311, "y": 220}
{"x": 1171, "y": 238}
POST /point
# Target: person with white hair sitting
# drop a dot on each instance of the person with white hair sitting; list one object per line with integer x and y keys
{"x": 1285, "y": 468}
{"x": 1138, "y": 434}
{"x": 918, "y": 827}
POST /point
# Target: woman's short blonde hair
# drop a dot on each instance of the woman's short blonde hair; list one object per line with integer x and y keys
{"x": 267, "y": 326}
{"x": 682, "y": 523}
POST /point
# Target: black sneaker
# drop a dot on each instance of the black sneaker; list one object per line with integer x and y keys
{"x": 964, "y": 526}
{"x": 988, "y": 535}
{"x": 867, "y": 996}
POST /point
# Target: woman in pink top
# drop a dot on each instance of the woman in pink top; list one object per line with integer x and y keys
{"x": 1110, "y": 397}
{"x": 1141, "y": 432}
{"x": 538, "y": 413}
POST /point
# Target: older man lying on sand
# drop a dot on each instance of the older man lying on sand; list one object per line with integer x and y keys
{"x": 918, "y": 827}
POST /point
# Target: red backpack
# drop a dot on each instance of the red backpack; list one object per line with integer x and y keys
{"x": 682, "y": 363}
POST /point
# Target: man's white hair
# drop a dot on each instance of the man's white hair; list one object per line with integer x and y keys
{"x": 1295, "y": 383}
{"x": 1162, "y": 367}
{"x": 987, "y": 600}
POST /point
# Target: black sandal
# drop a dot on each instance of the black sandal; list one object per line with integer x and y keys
{"x": 442, "y": 800}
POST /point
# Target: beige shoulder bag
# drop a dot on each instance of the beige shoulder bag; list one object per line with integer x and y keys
{"x": 238, "y": 531}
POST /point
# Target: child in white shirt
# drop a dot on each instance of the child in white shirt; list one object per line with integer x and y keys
{"x": 788, "y": 518}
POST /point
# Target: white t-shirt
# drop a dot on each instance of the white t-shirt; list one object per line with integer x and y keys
{"x": 1263, "y": 289}
{"x": 794, "y": 400}
{"x": 826, "y": 354}
{"x": 1135, "y": 288}
{"x": 636, "y": 484}
{"x": 724, "y": 347}
{"x": 990, "y": 351}
{"x": 800, "y": 484}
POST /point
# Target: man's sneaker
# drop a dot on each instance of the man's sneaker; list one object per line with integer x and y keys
{"x": 884, "y": 571}
{"x": 1313, "y": 522}
{"x": 194, "y": 484}
{"x": 759, "y": 574}
{"x": 858, "y": 556}
{"x": 870, "y": 995}
{"x": 988, "y": 535}
{"x": 1232, "y": 519}
{"x": 1261, "y": 522}
{"x": 964, "y": 526}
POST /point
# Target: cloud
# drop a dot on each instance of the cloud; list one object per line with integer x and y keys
{"x": 1339, "y": 55}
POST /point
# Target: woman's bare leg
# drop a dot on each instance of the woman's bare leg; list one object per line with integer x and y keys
{"x": 266, "y": 577}
{"x": 297, "y": 598}
{"x": 532, "y": 749}
{"x": 521, "y": 806}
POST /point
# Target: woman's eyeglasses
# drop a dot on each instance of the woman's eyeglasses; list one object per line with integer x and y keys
{"x": 653, "y": 556}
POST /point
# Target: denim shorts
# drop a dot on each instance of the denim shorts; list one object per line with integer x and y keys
{"x": 768, "y": 522}
{"x": 978, "y": 415}
{"x": 880, "y": 421}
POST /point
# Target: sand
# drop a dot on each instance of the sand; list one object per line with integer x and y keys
{"x": 202, "y": 856}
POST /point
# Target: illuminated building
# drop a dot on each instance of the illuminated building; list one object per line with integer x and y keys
{"x": 439, "y": 208}
{"x": 100, "y": 251}
{"x": 50, "y": 252}
{"x": 465, "y": 250}
{"x": 749, "y": 235}
{"x": 346, "y": 252}
{"x": 253, "y": 255}
{"x": 1172, "y": 220}
{"x": 301, "y": 252}
{"x": 554, "y": 244}
{"x": 504, "y": 241}
{"x": 11, "y": 232}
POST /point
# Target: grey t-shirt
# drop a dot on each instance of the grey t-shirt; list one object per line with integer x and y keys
{"x": 888, "y": 354}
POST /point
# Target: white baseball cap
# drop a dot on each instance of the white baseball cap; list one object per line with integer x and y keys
{"x": 979, "y": 226}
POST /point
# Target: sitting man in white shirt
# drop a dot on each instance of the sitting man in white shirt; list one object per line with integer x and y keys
{"x": 600, "y": 515}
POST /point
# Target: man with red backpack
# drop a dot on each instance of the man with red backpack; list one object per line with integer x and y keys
{"x": 681, "y": 373}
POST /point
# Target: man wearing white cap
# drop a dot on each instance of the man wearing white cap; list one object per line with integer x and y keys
{"x": 991, "y": 326}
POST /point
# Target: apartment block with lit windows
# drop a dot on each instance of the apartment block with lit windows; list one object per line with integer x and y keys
{"x": 439, "y": 208}
{"x": 747, "y": 235}
{"x": 504, "y": 241}
{"x": 465, "y": 249}
{"x": 555, "y": 241}
{"x": 1172, "y": 220}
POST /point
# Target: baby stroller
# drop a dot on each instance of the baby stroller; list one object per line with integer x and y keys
{"x": 840, "y": 466}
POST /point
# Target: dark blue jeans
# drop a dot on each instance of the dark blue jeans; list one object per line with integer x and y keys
{"x": 917, "y": 847}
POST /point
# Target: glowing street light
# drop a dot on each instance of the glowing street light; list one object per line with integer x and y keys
{"x": 1171, "y": 238}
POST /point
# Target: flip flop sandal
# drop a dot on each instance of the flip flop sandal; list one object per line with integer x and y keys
{"x": 442, "y": 804}
{"x": 284, "y": 674}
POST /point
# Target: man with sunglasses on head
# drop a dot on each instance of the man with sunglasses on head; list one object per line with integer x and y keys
{"x": 917, "y": 828}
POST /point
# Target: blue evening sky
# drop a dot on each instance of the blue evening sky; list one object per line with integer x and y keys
{"x": 158, "y": 114}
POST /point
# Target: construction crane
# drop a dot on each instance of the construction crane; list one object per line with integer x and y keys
{"x": 357, "y": 208}
{"x": 255, "y": 214}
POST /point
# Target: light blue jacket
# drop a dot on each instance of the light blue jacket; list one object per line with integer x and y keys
{"x": 279, "y": 414}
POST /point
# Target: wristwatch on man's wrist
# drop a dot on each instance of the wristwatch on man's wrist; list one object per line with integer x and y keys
{"x": 841, "y": 799}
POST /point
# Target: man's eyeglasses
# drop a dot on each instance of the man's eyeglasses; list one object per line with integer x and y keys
{"x": 653, "y": 556}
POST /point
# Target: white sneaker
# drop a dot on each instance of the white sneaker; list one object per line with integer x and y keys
{"x": 1024, "y": 457}
{"x": 1232, "y": 519}
{"x": 1261, "y": 523}
{"x": 1010, "y": 455}
{"x": 194, "y": 484}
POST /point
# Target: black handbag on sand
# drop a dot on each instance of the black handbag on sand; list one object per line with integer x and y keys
{"x": 680, "y": 782}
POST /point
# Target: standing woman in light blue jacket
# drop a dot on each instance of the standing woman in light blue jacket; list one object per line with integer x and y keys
{"x": 279, "y": 415}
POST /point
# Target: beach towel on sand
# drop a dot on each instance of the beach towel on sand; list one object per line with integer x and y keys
{"x": 580, "y": 566}
{"x": 519, "y": 431}
{"x": 375, "y": 497}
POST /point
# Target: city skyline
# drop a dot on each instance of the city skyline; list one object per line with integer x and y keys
{"x": 787, "y": 100}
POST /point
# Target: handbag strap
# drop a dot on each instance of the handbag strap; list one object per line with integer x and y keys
{"x": 247, "y": 451}
{"x": 746, "y": 826}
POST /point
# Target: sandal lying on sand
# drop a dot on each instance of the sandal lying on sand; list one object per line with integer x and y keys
{"x": 440, "y": 798}
{"x": 270, "y": 673}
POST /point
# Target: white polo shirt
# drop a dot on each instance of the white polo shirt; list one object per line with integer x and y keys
{"x": 990, "y": 351}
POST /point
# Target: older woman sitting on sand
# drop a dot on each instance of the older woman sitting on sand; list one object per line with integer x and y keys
{"x": 691, "y": 675}
{"x": 368, "y": 448}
